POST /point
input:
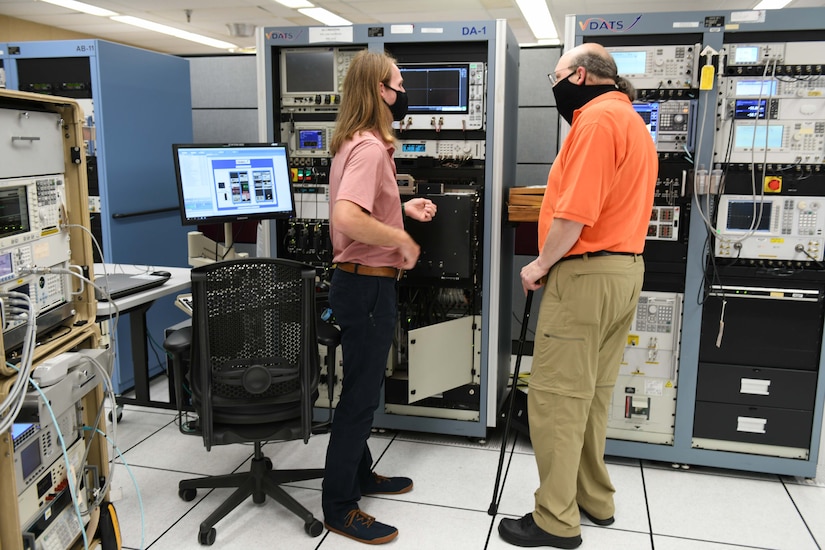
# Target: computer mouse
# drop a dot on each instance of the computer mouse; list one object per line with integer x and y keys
{"x": 161, "y": 273}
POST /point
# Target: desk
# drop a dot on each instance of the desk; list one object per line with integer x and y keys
{"x": 136, "y": 306}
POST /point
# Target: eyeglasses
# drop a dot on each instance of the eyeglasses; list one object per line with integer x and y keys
{"x": 552, "y": 76}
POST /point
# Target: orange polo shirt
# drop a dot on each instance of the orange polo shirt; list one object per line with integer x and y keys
{"x": 604, "y": 177}
{"x": 363, "y": 172}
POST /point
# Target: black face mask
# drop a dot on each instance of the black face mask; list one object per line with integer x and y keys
{"x": 399, "y": 108}
{"x": 570, "y": 97}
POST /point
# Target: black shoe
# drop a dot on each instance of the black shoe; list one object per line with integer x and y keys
{"x": 380, "y": 485}
{"x": 362, "y": 527}
{"x": 597, "y": 521}
{"x": 525, "y": 532}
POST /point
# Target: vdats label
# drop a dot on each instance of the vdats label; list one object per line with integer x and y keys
{"x": 278, "y": 35}
{"x": 474, "y": 31}
{"x": 601, "y": 24}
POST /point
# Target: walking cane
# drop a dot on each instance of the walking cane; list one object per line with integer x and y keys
{"x": 493, "y": 509}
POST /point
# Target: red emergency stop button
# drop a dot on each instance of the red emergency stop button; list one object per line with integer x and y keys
{"x": 773, "y": 184}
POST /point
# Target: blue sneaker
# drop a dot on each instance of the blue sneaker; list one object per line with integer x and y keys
{"x": 380, "y": 485}
{"x": 362, "y": 527}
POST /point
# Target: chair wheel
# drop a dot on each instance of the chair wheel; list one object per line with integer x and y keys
{"x": 207, "y": 538}
{"x": 188, "y": 494}
{"x": 314, "y": 528}
{"x": 119, "y": 413}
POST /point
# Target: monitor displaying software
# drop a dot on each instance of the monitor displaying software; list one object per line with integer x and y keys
{"x": 220, "y": 183}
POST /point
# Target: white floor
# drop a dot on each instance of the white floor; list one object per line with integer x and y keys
{"x": 658, "y": 507}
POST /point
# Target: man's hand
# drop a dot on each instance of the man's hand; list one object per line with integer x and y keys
{"x": 530, "y": 275}
{"x": 420, "y": 209}
{"x": 410, "y": 251}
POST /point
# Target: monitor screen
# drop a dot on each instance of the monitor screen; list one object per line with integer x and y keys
{"x": 630, "y": 62}
{"x": 746, "y": 55}
{"x": 741, "y": 216}
{"x": 308, "y": 71}
{"x": 650, "y": 114}
{"x": 755, "y": 88}
{"x": 436, "y": 88}
{"x": 770, "y": 137}
{"x": 234, "y": 182}
{"x": 749, "y": 108}
{"x": 311, "y": 140}
{"x": 14, "y": 211}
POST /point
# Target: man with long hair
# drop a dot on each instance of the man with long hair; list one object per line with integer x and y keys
{"x": 370, "y": 249}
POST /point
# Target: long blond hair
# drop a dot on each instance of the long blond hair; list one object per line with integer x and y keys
{"x": 362, "y": 107}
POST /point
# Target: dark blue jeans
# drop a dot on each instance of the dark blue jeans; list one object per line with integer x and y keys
{"x": 365, "y": 308}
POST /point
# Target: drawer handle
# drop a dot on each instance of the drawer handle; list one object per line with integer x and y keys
{"x": 24, "y": 138}
{"x": 754, "y": 387}
{"x": 751, "y": 425}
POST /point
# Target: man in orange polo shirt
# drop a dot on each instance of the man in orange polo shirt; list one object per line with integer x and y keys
{"x": 592, "y": 228}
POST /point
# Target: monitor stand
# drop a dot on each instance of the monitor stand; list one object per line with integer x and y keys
{"x": 202, "y": 250}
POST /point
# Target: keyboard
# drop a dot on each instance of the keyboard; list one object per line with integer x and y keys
{"x": 184, "y": 302}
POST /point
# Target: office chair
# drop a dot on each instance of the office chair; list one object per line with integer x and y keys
{"x": 254, "y": 372}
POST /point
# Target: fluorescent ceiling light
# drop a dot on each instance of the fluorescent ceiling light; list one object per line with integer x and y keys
{"x": 80, "y": 6}
{"x": 771, "y": 4}
{"x": 295, "y": 4}
{"x": 325, "y": 16}
{"x": 157, "y": 27}
{"x": 537, "y": 15}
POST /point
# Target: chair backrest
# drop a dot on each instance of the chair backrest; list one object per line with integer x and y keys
{"x": 254, "y": 349}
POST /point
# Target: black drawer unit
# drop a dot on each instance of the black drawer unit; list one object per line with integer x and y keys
{"x": 764, "y": 325}
{"x": 756, "y": 425}
{"x": 757, "y": 378}
{"x": 758, "y": 386}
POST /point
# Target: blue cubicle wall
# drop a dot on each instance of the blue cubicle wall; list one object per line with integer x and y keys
{"x": 141, "y": 103}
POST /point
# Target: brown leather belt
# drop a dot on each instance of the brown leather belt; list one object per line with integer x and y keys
{"x": 359, "y": 269}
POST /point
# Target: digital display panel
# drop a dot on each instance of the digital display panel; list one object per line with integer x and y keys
{"x": 759, "y": 136}
{"x": 18, "y": 429}
{"x": 741, "y": 216}
{"x": 310, "y": 139}
{"x": 746, "y": 55}
{"x": 437, "y": 88}
{"x": 650, "y": 114}
{"x": 30, "y": 458}
{"x": 413, "y": 147}
{"x": 308, "y": 71}
{"x": 14, "y": 211}
{"x": 6, "y": 265}
{"x": 631, "y": 62}
{"x": 755, "y": 88}
{"x": 234, "y": 182}
{"x": 749, "y": 108}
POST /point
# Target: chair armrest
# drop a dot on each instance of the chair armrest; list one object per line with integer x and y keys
{"x": 179, "y": 341}
{"x": 328, "y": 334}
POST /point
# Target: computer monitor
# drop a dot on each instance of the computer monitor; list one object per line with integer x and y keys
{"x": 222, "y": 183}
{"x": 437, "y": 88}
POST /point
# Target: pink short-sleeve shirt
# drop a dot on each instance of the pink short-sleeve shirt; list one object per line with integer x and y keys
{"x": 363, "y": 172}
